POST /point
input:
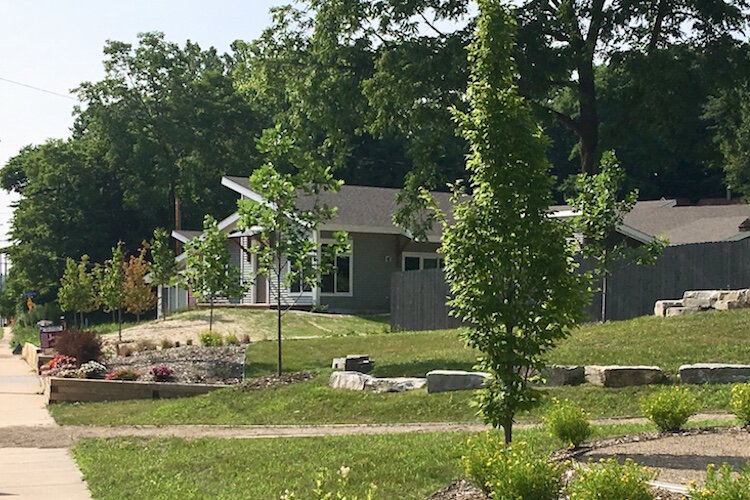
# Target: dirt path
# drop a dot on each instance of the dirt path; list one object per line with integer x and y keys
{"x": 65, "y": 436}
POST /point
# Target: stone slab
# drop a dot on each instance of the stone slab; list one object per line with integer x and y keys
{"x": 357, "y": 363}
{"x": 353, "y": 381}
{"x": 455, "y": 380}
{"x": 661, "y": 306}
{"x": 682, "y": 311}
{"x": 714, "y": 373}
{"x": 702, "y": 299}
{"x": 623, "y": 376}
{"x": 558, "y": 375}
{"x": 356, "y": 381}
{"x": 339, "y": 364}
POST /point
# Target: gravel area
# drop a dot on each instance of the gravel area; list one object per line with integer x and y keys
{"x": 191, "y": 364}
{"x": 682, "y": 457}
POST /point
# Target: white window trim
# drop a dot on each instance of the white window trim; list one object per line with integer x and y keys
{"x": 422, "y": 256}
{"x": 302, "y": 292}
{"x": 350, "y": 253}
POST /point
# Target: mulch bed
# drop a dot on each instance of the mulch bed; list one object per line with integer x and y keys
{"x": 191, "y": 364}
{"x": 254, "y": 384}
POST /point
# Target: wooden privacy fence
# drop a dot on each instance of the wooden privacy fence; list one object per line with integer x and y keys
{"x": 418, "y": 297}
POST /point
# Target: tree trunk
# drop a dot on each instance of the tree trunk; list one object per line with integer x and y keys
{"x": 211, "y": 314}
{"x": 137, "y": 317}
{"x": 604, "y": 298}
{"x": 119, "y": 325}
{"x": 278, "y": 315}
{"x": 588, "y": 123}
{"x": 508, "y": 430}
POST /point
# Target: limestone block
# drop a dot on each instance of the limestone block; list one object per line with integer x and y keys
{"x": 395, "y": 384}
{"x": 353, "y": 381}
{"x": 682, "y": 311}
{"x": 339, "y": 364}
{"x": 358, "y": 363}
{"x": 661, "y": 306}
{"x": 455, "y": 380}
{"x": 556, "y": 375}
{"x": 623, "y": 376}
{"x": 703, "y": 299}
{"x": 714, "y": 373}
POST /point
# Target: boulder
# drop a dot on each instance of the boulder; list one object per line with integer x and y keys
{"x": 353, "y": 381}
{"x": 714, "y": 373}
{"x": 623, "y": 376}
{"x": 358, "y": 363}
{"x": 682, "y": 311}
{"x": 356, "y": 381}
{"x": 701, "y": 299}
{"x": 556, "y": 375}
{"x": 455, "y": 380}
{"x": 395, "y": 384}
{"x": 661, "y": 306}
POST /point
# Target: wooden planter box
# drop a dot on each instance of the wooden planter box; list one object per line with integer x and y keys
{"x": 77, "y": 389}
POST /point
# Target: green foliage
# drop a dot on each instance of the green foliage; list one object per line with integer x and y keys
{"x": 731, "y": 111}
{"x": 511, "y": 471}
{"x": 77, "y": 288}
{"x": 287, "y": 248}
{"x": 211, "y": 339}
{"x": 510, "y": 269}
{"x": 610, "y": 479}
{"x": 741, "y": 402}
{"x": 163, "y": 266}
{"x": 208, "y": 272}
{"x": 567, "y": 422}
{"x": 330, "y": 488}
{"x": 669, "y": 408}
{"x": 50, "y": 311}
{"x": 601, "y": 213}
{"x": 723, "y": 484}
{"x": 111, "y": 285}
{"x": 232, "y": 339}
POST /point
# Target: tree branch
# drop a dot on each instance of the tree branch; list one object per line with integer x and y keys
{"x": 564, "y": 119}
{"x": 597, "y": 18}
{"x": 661, "y": 12}
{"x": 421, "y": 14}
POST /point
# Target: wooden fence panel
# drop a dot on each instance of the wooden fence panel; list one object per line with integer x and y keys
{"x": 418, "y": 297}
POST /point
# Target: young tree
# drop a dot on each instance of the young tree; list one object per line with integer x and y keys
{"x": 111, "y": 281}
{"x": 600, "y": 213}
{"x": 208, "y": 272}
{"x": 163, "y": 265}
{"x": 139, "y": 296}
{"x": 509, "y": 266}
{"x": 286, "y": 248}
{"x": 77, "y": 293}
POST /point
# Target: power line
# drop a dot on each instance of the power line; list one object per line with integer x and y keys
{"x": 66, "y": 96}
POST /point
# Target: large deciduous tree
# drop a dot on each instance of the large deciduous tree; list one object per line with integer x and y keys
{"x": 509, "y": 266}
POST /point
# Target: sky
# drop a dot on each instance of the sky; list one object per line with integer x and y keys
{"x": 57, "y": 44}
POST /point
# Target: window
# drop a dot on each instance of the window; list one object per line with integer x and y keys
{"x": 417, "y": 262}
{"x": 299, "y": 285}
{"x": 339, "y": 280}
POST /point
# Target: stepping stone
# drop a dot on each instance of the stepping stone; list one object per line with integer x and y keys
{"x": 661, "y": 306}
{"x": 714, "y": 373}
{"x": 623, "y": 376}
{"x": 557, "y": 375}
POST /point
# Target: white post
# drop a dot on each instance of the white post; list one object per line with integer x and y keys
{"x": 318, "y": 256}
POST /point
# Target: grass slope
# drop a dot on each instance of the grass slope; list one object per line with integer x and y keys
{"x": 407, "y": 466}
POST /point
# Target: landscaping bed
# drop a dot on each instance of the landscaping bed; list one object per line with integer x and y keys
{"x": 190, "y": 364}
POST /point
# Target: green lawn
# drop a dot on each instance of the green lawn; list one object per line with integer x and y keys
{"x": 313, "y": 402}
{"x": 407, "y": 466}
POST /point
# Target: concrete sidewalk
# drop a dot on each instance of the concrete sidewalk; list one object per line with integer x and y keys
{"x": 31, "y": 473}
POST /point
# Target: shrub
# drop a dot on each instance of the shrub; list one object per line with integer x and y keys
{"x": 161, "y": 373}
{"x": 568, "y": 423}
{"x": 211, "y": 339}
{"x": 84, "y": 346}
{"x": 512, "y": 471}
{"x": 720, "y": 485}
{"x": 609, "y": 479}
{"x": 741, "y": 402}
{"x": 177, "y": 343}
{"x": 232, "y": 339}
{"x": 669, "y": 408}
{"x": 124, "y": 351}
{"x": 123, "y": 374}
{"x": 246, "y": 339}
{"x": 92, "y": 369}
{"x": 189, "y": 342}
{"x": 166, "y": 344}
{"x": 145, "y": 345}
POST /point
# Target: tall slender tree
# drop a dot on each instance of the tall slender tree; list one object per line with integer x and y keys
{"x": 163, "y": 265}
{"x": 77, "y": 293}
{"x": 111, "y": 286}
{"x": 138, "y": 295}
{"x": 509, "y": 266}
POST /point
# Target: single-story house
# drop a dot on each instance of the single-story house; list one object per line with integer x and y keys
{"x": 361, "y": 282}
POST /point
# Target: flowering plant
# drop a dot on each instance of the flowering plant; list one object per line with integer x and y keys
{"x": 92, "y": 369}
{"x": 122, "y": 374}
{"x": 161, "y": 373}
